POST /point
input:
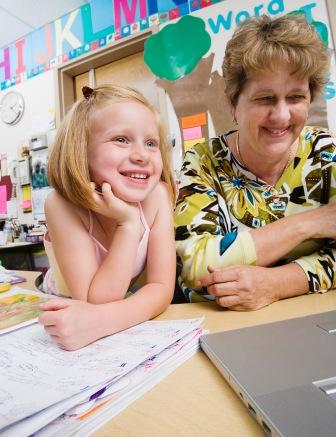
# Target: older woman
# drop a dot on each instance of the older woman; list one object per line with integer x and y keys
{"x": 255, "y": 218}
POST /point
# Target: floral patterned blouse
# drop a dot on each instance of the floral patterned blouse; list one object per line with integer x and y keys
{"x": 220, "y": 201}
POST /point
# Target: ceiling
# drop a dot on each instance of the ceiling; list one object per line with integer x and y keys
{"x": 20, "y": 17}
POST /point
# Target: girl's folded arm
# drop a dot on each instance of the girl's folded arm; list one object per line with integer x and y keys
{"x": 68, "y": 232}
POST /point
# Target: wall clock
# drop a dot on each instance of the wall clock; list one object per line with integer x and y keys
{"x": 11, "y": 107}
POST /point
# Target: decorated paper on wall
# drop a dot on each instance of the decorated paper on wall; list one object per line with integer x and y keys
{"x": 192, "y": 133}
{"x": 177, "y": 63}
{"x": 3, "y": 199}
{"x": 190, "y": 143}
{"x": 26, "y": 204}
{"x": 39, "y": 197}
{"x": 39, "y": 171}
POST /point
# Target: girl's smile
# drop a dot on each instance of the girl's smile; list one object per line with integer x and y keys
{"x": 138, "y": 178}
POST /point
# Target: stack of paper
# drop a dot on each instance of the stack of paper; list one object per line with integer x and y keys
{"x": 47, "y": 391}
{"x": 10, "y": 276}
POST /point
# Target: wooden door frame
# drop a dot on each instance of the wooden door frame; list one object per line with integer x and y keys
{"x": 65, "y": 95}
{"x": 331, "y": 10}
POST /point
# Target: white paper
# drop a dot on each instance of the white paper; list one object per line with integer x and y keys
{"x": 12, "y": 208}
{"x": 111, "y": 400}
{"x": 38, "y": 198}
{"x": 31, "y": 363}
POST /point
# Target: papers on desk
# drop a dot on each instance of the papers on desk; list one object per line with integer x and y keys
{"x": 9, "y": 276}
{"x": 47, "y": 391}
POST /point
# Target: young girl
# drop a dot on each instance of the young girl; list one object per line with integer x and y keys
{"x": 109, "y": 217}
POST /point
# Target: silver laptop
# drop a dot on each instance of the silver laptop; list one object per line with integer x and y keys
{"x": 284, "y": 372}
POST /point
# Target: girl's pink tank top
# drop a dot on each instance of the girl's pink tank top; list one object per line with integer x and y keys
{"x": 54, "y": 283}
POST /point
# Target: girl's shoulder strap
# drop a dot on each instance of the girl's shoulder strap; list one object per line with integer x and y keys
{"x": 143, "y": 218}
{"x": 90, "y": 222}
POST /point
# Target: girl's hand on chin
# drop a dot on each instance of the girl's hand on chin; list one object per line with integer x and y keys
{"x": 124, "y": 213}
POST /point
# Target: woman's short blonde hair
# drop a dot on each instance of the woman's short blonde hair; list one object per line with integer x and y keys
{"x": 262, "y": 43}
{"x": 68, "y": 167}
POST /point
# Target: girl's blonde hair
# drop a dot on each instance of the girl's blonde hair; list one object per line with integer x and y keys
{"x": 264, "y": 43}
{"x": 68, "y": 167}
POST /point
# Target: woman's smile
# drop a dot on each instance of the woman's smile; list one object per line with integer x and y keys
{"x": 276, "y": 132}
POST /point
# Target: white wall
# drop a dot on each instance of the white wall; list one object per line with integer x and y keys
{"x": 39, "y": 96}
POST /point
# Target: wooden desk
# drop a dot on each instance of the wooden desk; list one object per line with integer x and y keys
{"x": 30, "y": 279}
{"x": 195, "y": 400}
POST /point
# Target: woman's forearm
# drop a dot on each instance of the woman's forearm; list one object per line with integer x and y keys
{"x": 288, "y": 280}
{"x": 274, "y": 241}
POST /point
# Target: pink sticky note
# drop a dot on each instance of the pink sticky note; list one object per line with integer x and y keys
{"x": 3, "y": 199}
{"x": 192, "y": 133}
{"x": 26, "y": 204}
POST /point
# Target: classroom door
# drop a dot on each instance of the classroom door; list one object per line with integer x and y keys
{"x": 130, "y": 71}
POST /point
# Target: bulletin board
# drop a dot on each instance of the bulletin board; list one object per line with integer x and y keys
{"x": 198, "y": 106}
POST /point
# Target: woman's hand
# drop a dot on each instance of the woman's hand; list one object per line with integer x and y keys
{"x": 71, "y": 324}
{"x": 240, "y": 287}
{"x": 109, "y": 205}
